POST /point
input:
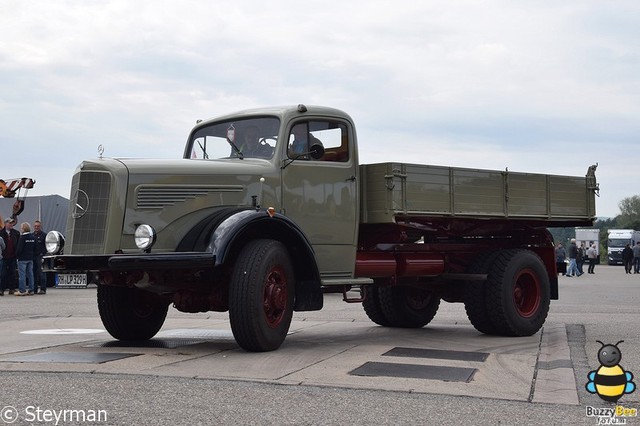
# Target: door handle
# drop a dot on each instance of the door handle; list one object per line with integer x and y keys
{"x": 351, "y": 178}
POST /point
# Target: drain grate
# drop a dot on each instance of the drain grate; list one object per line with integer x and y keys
{"x": 415, "y": 371}
{"x": 437, "y": 354}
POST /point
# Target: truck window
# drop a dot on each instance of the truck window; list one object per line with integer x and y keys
{"x": 331, "y": 134}
{"x": 249, "y": 138}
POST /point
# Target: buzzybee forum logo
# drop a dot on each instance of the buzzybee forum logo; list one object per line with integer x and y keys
{"x": 610, "y": 381}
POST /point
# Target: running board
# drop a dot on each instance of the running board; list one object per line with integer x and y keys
{"x": 346, "y": 281}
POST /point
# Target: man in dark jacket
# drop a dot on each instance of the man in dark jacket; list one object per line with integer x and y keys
{"x": 9, "y": 263}
{"x": 573, "y": 254}
{"x": 25, "y": 253}
{"x": 627, "y": 258}
{"x": 39, "y": 277}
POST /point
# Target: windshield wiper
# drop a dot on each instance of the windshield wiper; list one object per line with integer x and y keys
{"x": 236, "y": 149}
{"x": 204, "y": 151}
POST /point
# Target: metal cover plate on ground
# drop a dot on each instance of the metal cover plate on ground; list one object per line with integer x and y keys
{"x": 415, "y": 371}
{"x": 72, "y": 357}
{"x": 437, "y": 354}
{"x": 152, "y": 343}
{"x": 171, "y": 339}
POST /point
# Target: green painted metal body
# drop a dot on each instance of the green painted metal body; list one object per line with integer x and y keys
{"x": 392, "y": 189}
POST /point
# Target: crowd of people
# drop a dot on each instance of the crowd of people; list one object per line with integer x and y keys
{"x": 21, "y": 253}
{"x": 631, "y": 258}
{"x": 578, "y": 256}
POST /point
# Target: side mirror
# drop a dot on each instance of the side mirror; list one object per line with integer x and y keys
{"x": 316, "y": 151}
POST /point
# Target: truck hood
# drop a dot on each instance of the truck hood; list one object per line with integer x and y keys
{"x": 247, "y": 166}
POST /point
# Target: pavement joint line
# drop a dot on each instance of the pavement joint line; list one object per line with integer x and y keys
{"x": 556, "y": 383}
{"x": 535, "y": 369}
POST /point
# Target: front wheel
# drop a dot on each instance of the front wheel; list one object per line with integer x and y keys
{"x": 261, "y": 296}
{"x": 129, "y": 313}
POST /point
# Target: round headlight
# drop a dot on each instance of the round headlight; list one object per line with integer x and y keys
{"x": 144, "y": 236}
{"x": 54, "y": 242}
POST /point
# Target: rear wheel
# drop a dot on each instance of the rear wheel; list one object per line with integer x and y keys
{"x": 517, "y": 293}
{"x": 407, "y": 307}
{"x": 129, "y": 313}
{"x": 372, "y": 307}
{"x": 261, "y": 296}
{"x": 475, "y": 295}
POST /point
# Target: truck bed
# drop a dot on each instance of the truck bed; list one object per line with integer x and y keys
{"x": 400, "y": 189}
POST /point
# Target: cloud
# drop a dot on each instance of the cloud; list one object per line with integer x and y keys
{"x": 533, "y": 86}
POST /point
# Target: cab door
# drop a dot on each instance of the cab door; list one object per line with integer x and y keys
{"x": 321, "y": 194}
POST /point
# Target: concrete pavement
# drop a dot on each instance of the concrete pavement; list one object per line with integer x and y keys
{"x": 337, "y": 347}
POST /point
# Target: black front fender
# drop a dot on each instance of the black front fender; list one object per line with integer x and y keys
{"x": 227, "y": 231}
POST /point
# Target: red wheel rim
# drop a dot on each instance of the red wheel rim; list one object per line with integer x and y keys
{"x": 526, "y": 293}
{"x": 276, "y": 296}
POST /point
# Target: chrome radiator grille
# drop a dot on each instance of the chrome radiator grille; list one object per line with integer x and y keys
{"x": 89, "y": 211}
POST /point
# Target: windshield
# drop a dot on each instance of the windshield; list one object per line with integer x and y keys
{"x": 248, "y": 138}
{"x": 618, "y": 242}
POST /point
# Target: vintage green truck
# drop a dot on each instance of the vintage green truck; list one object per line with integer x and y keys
{"x": 269, "y": 209}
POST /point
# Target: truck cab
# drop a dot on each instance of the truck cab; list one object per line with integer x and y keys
{"x": 316, "y": 189}
{"x": 617, "y": 239}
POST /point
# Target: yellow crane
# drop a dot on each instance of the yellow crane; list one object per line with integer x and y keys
{"x": 10, "y": 188}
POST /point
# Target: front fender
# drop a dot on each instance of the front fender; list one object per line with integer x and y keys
{"x": 228, "y": 232}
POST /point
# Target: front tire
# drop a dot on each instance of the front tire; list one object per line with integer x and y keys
{"x": 130, "y": 314}
{"x": 261, "y": 296}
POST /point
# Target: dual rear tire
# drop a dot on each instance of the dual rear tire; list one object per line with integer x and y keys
{"x": 515, "y": 298}
{"x": 513, "y": 301}
{"x": 400, "y": 306}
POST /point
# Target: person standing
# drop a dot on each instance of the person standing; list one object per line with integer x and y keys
{"x": 2, "y": 247}
{"x": 592, "y": 255}
{"x": 9, "y": 263}
{"x": 573, "y": 254}
{"x": 636, "y": 258}
{"x": 24, "y": 254}
{"x": 580, "y": 257}
{"x": 561, "y": 256}
{"x": 39, "y": 277}
{"x": 627, "y": 258}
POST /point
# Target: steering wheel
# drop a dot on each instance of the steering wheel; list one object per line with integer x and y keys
{"x": 265, "y": 148}
{"x": 263, "y": 142}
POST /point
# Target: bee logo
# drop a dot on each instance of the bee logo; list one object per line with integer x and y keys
{"x": 610, "y": 381}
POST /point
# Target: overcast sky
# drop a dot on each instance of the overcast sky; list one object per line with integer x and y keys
{"x": 535, "y": 86}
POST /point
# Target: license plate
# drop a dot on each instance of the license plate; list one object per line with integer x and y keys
{"x": 72, "y": 280}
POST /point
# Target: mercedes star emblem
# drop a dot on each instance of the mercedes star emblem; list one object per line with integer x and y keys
{"x": 81, "y": 204}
